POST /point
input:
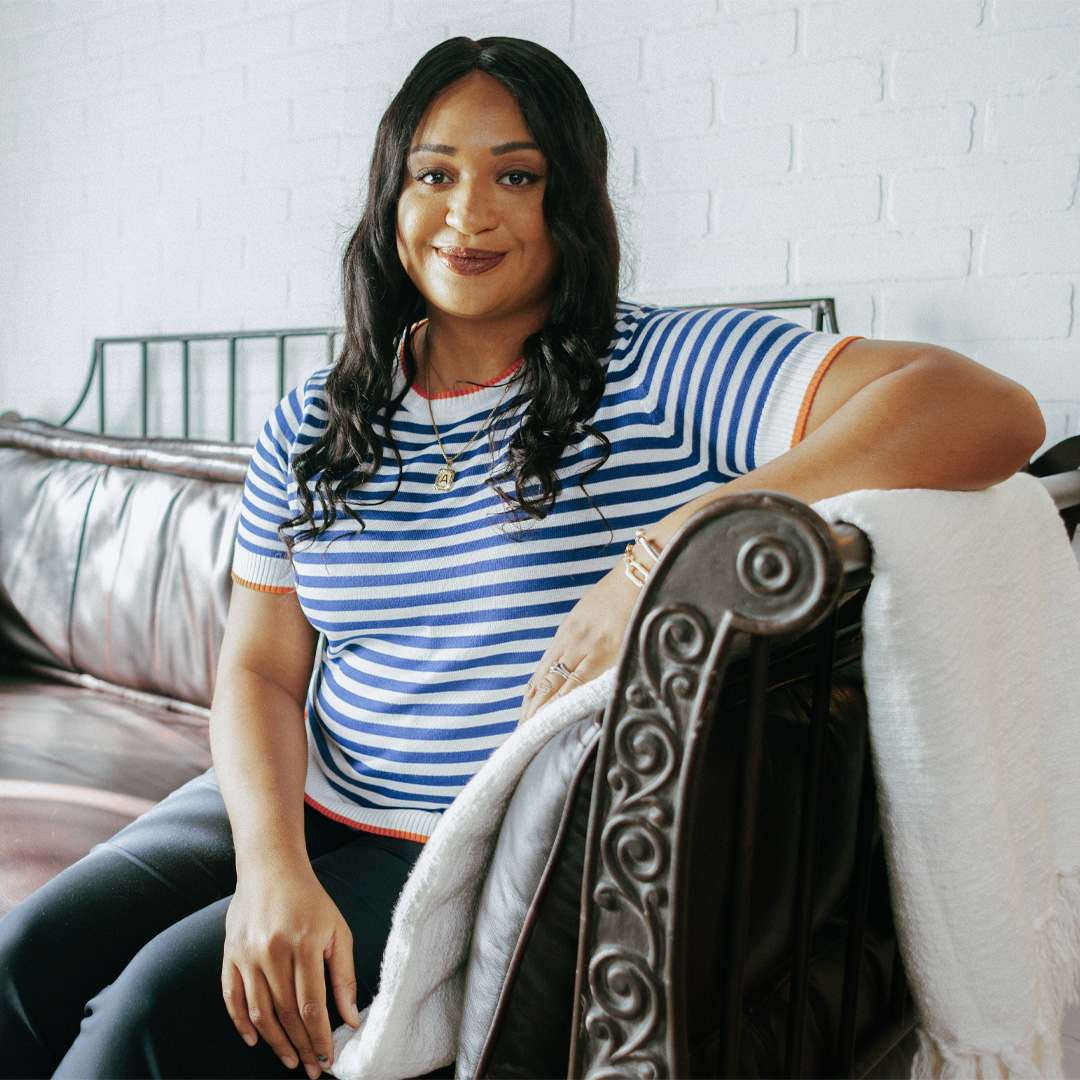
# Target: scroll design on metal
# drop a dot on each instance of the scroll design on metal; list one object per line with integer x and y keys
{"x": 764, "y": 564}
{"x": 635, "y": 844}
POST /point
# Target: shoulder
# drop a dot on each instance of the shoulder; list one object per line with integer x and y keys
{"x": 298, "y": 419}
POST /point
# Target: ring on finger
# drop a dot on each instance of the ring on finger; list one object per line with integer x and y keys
{"x": 560, "y": 669}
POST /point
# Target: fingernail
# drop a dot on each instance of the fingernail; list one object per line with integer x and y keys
{"x": 313, "y": 1071}
{"x": 355, "y": 1015}
{"x": 321, "y": 1057}
{"x": 249, "y": 1038}
{"x": 289, "y": 1062}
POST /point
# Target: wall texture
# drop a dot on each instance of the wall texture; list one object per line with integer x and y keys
{"x": 196, "y": 164}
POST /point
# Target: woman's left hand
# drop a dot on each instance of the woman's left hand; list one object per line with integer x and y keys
{"x": 587, "y": 643}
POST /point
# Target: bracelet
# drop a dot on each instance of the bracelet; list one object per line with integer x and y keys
{"x": 632, "y": 568}
{"x": 650, "y": 548}
{"x": 636, "y": 571}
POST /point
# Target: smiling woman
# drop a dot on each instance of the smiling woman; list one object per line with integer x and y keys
{"x": 439, "y": 534}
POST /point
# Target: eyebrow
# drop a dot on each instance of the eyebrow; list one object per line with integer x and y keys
{"x": 443, "y": 148}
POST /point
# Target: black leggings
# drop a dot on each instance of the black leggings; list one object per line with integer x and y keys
{"x": 130, "y": 940}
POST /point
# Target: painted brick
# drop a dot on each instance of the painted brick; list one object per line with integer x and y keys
{"x": 647, "y": 114}
{"x": 301, "y": 160}
{"x": 667, "y": 219}
{"x": 397, "y": 55}
{"x": 797, "y": 205}
{"x": 314, "y": 297}
{"x": 363, "y": 111}
{"x": 595, "y": 20}
{"x": 272, "y": 78}
{"x": 7, "y": 60}
{"x": 113, "y": 30}
{"x": 411, "y": 14}
{"x": 71, "y": 81}
{"x": 713, "y": 51}
{"x": 242, "y": 42}
{"x": 887, "y": 136}
{"x": 112, "y": 112}
{"x": 993, "y": 60}
{"x": 178, "y": 16}
{"x": 64, "y": 122}
{"x": 966, "y": 192}
{"x": 860, "y": 28}
{"x": 339, "y": 22}
{"x": 833, "y": 89}
{"x": 165, "y": 141}
{"x": 52, "y": 46}
{"x": 161, "y": 220}
{"x": 257, "y": 124}
{"x": 548, "y": 24}
{"x": 208, "y": 90}
{"x": 1041, "y": 119}
{"x": 158, "y": 62}
{"x": 1032, "y": 245}
{"x": 204, "y": 253}
{"x": 614, "y": 66}
{"x": 247, "y": 208}
{"x": 1001, "y": 308}
{"x": 204, "y": 176}
{"x": 672, "y": 164}
{"x": 712, "y": 271}
{"x": 878, "y": 255}
{"x": 1012, "y": 13}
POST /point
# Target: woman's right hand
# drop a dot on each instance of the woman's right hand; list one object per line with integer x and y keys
{"x": 280, "y": 929}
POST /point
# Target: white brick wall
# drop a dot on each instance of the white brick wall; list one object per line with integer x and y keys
{"x": 197, "y": 164}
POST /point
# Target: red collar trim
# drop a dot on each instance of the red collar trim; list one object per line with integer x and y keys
{"x": 444, "y": 394}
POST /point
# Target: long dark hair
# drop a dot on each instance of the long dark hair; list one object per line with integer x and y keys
{"x": 562, "y": 376}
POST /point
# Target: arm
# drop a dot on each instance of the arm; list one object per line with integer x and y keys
{"x": 281, "y": 925}
{"x": 887, "y": 414}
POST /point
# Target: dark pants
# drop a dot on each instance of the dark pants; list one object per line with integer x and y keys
{"x": 129, "y": 942}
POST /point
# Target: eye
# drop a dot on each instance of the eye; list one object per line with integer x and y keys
{"x": 519, "y": 178}
{"x": 432, "y": 177}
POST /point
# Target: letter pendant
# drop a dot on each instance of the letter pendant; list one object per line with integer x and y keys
{"x": 444, "y": 481}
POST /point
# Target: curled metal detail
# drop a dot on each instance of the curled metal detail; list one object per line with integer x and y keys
{"x": 626, "y": 1017}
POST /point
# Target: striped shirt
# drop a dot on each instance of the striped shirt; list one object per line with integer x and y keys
{"x": 433, "y": 617}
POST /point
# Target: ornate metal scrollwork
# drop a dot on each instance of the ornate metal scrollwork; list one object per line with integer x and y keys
{"x": 758, "y": 563}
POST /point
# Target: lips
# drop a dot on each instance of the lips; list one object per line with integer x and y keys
{"x": 469, "y": 261}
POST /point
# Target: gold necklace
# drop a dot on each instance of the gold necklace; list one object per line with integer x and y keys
{"x": 444, "y": 479}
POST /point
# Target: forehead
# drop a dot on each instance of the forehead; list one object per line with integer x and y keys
{"x": 476, "y": 110}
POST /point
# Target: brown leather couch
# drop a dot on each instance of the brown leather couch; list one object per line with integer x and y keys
{"x": 114, "y": 586}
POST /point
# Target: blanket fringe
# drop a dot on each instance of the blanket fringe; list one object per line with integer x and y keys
{"x": 1040, "y": 1058}
{"x": 1057, "y": 944}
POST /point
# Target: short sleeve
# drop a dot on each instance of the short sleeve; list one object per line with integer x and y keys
{"x": 260, "y": 557}
{"x": 737, "y": 383}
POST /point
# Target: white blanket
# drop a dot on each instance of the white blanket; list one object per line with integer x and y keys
{"x": 972, "y": 664}
{"x": 972, "y": 661}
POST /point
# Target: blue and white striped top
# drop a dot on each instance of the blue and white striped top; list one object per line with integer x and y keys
{"x": 434, "y": 616}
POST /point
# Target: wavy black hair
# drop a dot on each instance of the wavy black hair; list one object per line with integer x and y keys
{"x": 561, "y": 376}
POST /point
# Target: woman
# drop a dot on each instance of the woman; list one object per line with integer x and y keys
{"x": 447, "y": 508}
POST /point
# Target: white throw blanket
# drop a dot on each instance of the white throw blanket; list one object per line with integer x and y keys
{"x": 972, "y": 661}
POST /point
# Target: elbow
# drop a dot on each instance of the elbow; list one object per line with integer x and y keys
{"x": 1018, "y": 429}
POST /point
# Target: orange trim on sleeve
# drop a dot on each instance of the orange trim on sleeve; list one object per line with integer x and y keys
{"x": 364, "y": 828}
{"x": 815, "y": 382}
{"x": 278, "y": 589}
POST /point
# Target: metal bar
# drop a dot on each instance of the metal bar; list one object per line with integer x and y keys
{"x": 86, "y": 386}
{"x": 803, "y": 913}
{"x": 144, "y": 405}
{"x": 225, "y": 335}
{"x": 232, "y": 389}
{"x": 860, "y": 898}
{"x": 280, "y": 366}
{"x": 741, "y": 877}
{"x": 185, "y": 375}
{"x": 330, "y": 349}
{"x": 101, "y": 386}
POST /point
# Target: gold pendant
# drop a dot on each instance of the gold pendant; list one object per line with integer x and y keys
{"x": 444, "y": 481}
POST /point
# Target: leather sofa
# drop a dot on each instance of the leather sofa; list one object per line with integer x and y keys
{"x": 114, "y": 586}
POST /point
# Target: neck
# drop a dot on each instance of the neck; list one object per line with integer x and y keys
{"x": 454, "y": 354}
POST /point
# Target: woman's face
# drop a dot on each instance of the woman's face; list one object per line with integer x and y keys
{"x": 470, "y": 218}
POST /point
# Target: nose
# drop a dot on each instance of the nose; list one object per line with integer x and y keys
{"x": 470, "y": 208}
